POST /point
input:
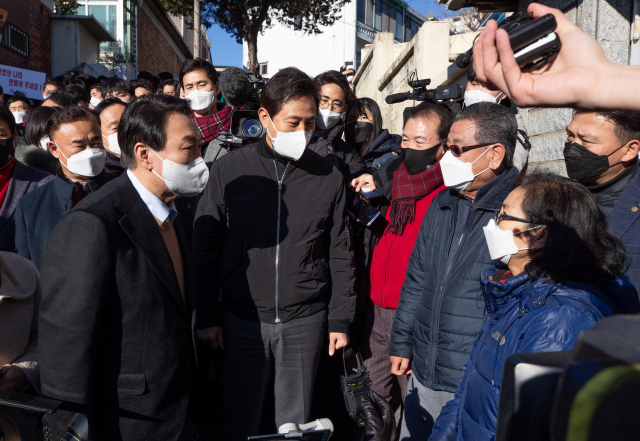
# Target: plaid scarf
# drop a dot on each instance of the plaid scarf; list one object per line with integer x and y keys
{"x": 210, "y": 126}
{"x": 407, "y": 189}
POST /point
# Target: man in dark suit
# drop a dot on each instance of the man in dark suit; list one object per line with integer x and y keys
{"x": 601, "y": 152}
{"x": 118, "y": 307}
{"x": 16, "y": 179}
{"x": 73, "y": 130}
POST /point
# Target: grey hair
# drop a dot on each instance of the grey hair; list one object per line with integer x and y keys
{"x": 493, "y": 124}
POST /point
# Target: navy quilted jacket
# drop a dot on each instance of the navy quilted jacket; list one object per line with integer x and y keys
{"x": 522, "y": 316}
{"x": 438, "y": 316}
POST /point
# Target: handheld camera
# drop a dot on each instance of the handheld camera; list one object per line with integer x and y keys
{"x": 441, "y": 94}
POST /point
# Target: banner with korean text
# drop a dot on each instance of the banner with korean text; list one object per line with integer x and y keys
{"x": 29, "y": 82}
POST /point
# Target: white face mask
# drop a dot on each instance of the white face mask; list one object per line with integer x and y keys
{"x": 457, "y": 174}
{"x": 290, "y": 144}
{"x": 201, "y": 100}
{"x": 184, "y": 179}
{"x": 95, "y": 101}
{"x": 113, "y": 147}
{"x": 21, "y": 117}
{"x": 326, "y": 119}
{"x": 44, "y": 143}
{"x": 501, "y": 243}
{"x": 350, "y": 78}
{"x": 478, "y": 96}
{"x": 46, "y": 97}
{"x": 87, "y": 163}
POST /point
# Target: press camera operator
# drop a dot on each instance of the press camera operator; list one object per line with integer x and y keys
{"x": 601, "y": 152}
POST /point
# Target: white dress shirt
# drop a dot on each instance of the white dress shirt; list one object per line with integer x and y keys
{"x": 160, "y": 210}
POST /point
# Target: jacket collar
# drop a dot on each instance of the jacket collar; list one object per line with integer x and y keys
{"x": 65, "y": 186}
{"x": 623, "y": 214}
{"x": 268, "y": 153}
{"x": 329, "y": 134}
{"x": 529, "y": 295}
{"x": 141, "y": 228}
{"x": 18, "y": 185}
{"x": 490, "y": 196}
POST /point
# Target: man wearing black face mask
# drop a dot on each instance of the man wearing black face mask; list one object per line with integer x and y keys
{"x": 409, "y": 183}
{"x": 601, "y": 152}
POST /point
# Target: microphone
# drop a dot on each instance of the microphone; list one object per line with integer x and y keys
{"x": 235, "y": 86}
{"x": 464, "y": 59}
{"x": 396, "y": 98}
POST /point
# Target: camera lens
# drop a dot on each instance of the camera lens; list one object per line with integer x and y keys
{"x": 252, "y": 128}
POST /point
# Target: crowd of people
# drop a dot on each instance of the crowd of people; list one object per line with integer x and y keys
{"x": 170, "y": 286}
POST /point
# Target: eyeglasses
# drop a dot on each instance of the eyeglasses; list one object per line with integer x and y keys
{"x": 456, "y": 150}
{"x": 502, "y": 216}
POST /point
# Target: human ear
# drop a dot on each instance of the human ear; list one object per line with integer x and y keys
{"x": 497, "y": 156}
{"x": 142, "y": 153}
{"x": 540, "y": 238}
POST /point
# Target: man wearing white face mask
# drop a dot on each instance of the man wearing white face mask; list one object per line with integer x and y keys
{"x": 437, "y": 318}
{"x": 110, "y": 112}
{"x": 200, "y": 83}
{"x": 270, "y": 233}
{"x": 477, "y": 92}
{"x": 76, "y": 142}
{"x": 118, "y": 298}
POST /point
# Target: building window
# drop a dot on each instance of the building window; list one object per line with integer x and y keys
{"x": 398, "y": 25}
{"x": 407, "y": 29}
{"x": 129, "y": 30}
{"x": 263, "y": 69}
{"x": 369, "y": 13}
{"x": 15, "y": 38}
{"x": 378, "y": 18}
{"x": 362, "y": 7}
{"x": 107, "y": 16}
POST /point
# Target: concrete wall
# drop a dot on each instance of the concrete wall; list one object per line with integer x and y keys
{"x": 282, "y": 47}
{"x": 386, "y": 66}
{"x": 609, "y": 22}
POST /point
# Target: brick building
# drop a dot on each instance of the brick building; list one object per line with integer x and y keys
{"x": 26, "y": 35}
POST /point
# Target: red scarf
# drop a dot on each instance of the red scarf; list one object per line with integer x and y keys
{"x": 210, "y": 126}
{"x": 407, "y": 189}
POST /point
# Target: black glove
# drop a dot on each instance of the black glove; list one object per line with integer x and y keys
{"x": 375, "y": 417}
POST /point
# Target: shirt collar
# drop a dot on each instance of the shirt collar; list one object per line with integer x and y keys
{"x": 160, "y": 210}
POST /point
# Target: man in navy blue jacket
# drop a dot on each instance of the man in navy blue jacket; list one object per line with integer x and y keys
{"x": 438, "y": 315}
{"x": 73, "y": 130}
{"x": 601, "y": 152}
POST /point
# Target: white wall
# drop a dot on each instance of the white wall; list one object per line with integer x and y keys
{"x": 283, "y": 47}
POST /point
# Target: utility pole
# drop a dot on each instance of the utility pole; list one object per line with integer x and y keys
{"x": 196, "y": 28}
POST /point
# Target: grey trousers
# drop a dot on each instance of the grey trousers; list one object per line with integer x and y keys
{"x": 422, "y": 406}
{"x": 254, "y": 355}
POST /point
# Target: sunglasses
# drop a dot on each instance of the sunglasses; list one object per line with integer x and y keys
{"x": 502, "y": 216}
{"x": 456, "y": 150}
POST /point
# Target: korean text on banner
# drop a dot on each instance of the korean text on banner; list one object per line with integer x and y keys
{"x": 29, "y": 82}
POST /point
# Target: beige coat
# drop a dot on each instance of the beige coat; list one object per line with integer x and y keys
{"x": 20, "y": 295}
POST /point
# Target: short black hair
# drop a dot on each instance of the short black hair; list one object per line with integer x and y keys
{"x": 141, "y": 83}
{"x": 428, "y": 110}
{"x": 69, "y": 115}
{"x": 164, "y": 76}
{"x": 471, "y": 75}
{"x": 15, "y": 98}
{"x": 63, "y": 99}
{"x": 7, "y": 116}
{"x": 36, "y": 127}
{"x": 493, "y": 124}
{"x": 78, "y": 92}
{"x": 102, "y": 77}
{"x": 52, "y": 82}
{"x": 199, "y": 64}
{"x": 579, "y": 246}
{"x": 335, "y": 77}
{"x": 97, "y": 85}
{"x": 286, "y": 85}
{"x": 626, "y": 124}
{"x": 360, "y": 107}
{"x": 144, "y": 121}
{"x": 119, "y": 85}
{"x": 105, "y": 104}
{"x": 174, "y": 83}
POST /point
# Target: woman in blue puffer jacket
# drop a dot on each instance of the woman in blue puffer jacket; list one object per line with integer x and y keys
{"x": 560, "y": 272}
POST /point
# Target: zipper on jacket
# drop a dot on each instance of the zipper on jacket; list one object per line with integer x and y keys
{"x": 278, "y": 238}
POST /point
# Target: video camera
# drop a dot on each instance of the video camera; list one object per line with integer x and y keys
{"x": 242, "y": 89}
{"x": 441, "y": 94}
{"x": 533, "y": 41}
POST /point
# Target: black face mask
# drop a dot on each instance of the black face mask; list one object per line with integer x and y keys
{"x": 7, "y": 150}
{"x": 583, "y": 165}
{"x": 418, "y": 161}
{"x": 359, "y": 131}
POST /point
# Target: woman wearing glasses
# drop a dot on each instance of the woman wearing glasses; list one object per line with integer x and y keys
{"x": 559, "y": 271}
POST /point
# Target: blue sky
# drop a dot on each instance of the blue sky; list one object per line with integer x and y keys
{"x": 226, "y": 52}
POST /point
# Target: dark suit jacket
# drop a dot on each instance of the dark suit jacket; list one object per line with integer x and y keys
{"x": 39, "y": 212}
{"x": 624, "y": 220}
{"x": 23, "y": 180}
{"x": 115, "y": 333}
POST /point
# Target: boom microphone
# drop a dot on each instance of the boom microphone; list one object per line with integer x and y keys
{"x": 396, "y": 98}
{"x": 235, "y": 86}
